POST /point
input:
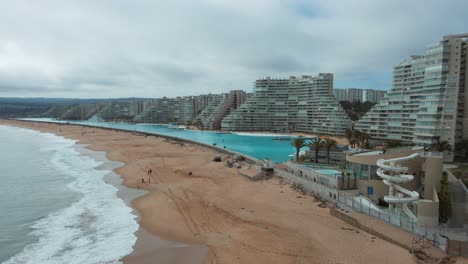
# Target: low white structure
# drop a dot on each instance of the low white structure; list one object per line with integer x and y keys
{"x": 326, "y": 176}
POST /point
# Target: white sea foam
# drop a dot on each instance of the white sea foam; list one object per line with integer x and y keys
{"x": 97, "y": 228}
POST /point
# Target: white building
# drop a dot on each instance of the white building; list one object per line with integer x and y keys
{"x": 429, "y": 98}
{"x": 296, "y": 104}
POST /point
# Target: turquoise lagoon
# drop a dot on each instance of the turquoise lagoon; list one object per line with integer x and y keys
{"x": 259, "y": 146}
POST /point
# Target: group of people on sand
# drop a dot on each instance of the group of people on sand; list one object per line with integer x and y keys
{"x": 150, "y": 172}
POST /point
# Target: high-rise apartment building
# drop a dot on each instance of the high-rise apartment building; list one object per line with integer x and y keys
{"x": 84, "y": 111}
{"x": 120, "y": 110}
{"x": 167, "y": 110}
{"x": 361, "y": 95}
{"x": 200, "y": 102}
{"x": 182, "y": 109}
{"x": 302, "y": 104}
{"x": 428, "y": 100}
{"x": 395, "y": 116}
{"x": 210, "y": 118}
{"x": 371, "y": 95}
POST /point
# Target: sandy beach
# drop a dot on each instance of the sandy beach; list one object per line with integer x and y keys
{"x": 213, "y": 215}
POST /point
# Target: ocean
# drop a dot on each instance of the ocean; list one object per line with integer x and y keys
{"x": 58, "y": 205}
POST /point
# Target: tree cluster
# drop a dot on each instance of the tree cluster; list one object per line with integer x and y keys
{"x": 357, "y": 138}
{"x": 316, "y": 144}
{"x": 356, "y": 109}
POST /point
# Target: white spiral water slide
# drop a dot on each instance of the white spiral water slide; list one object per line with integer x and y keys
{"x": 393, "y": 174}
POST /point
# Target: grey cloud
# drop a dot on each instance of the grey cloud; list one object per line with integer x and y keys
{"x": 274, "y": 64}
{"x": 115, "y": 48}
{"x": 172, "y": 72}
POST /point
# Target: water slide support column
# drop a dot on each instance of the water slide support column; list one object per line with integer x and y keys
{"x": 391, "y": 192}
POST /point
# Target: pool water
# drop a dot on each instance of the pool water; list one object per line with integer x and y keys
{"x": 330, "y": 172}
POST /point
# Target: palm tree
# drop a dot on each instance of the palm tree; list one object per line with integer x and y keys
{"x": 363, "y": 138}
{"x": 329, "y": 144}
{"x": 298, "y": 143}
{"x": 445, "y": 204}
{"x": 352, "y": 142}
{"x": 348, "y": 133}
{"x": 441, "y": 146}
{"x": 357, "y": 134}
{"x": 316, "y": 143}
{"x": 391, "y": 143}
{"x": 367, "y": 145}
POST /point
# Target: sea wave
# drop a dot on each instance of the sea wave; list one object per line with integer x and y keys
{"x": 96, "y": 228}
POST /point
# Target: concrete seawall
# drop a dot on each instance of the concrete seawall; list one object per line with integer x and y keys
{"x": 350, "y": 220}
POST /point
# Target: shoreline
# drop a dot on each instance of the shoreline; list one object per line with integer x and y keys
{"x": 239, "y": 221}
{"x": 89, "y": 179}
{"x": 168, "y": 251}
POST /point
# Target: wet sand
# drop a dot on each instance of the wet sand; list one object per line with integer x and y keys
{"x": 217, "y": 216}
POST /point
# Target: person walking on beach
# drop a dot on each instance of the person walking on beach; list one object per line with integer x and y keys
{"x": 150, "y": 171}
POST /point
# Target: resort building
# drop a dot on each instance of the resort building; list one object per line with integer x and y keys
{"x": 395, "y": 116}
{"x": 57, "y": 110}
{"x": 200, "y": 102}
{"x": 210, "y": 118}
{"x": 120, "y": 110}
{"x": 372, "y": 172}
{"x": 336, "y": 156}
{"x": 181, "y": 110}
{"x": 314, "y": 174}
{"x": 399, "y": 186}
{"x": 82, "y": 111}
{"x": 428, "y": 100}
{"x": 167, "y": 110}
{"x": 359, "y": 95}
{"x": 296, "y": 104}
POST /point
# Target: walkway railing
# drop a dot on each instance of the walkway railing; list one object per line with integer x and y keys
{"x": 344, "y": 200}
{"x": 434, "y": 154}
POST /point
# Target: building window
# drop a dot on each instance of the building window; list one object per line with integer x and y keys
{"x": 373, "y": 172}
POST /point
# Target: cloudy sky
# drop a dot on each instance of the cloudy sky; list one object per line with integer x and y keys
{"x": 153, "y": 48}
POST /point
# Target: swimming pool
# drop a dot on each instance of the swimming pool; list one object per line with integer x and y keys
{"x": 329, "y": 172}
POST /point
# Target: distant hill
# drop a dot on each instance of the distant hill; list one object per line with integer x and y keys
{"x": 13, "y": 107}
{"x": 40, "y": 100}
{"x": 11, "y": 110}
